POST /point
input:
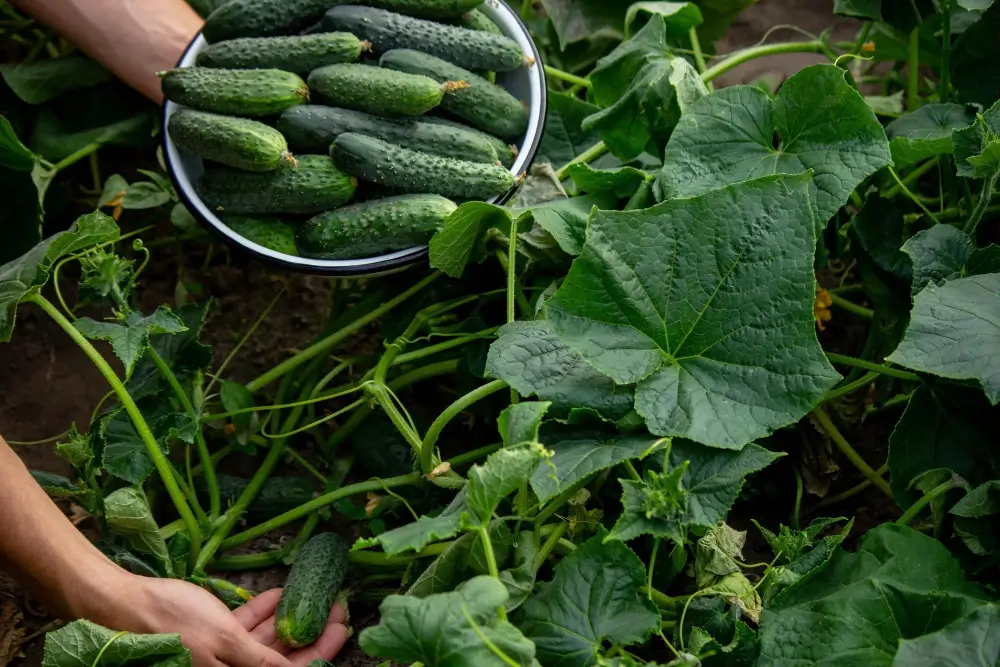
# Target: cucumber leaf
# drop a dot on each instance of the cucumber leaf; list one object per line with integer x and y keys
{"x": 566, "y": 219}
{"x": 459, "y": 629}
{"x": 623, "y": 181}
{"x": 462, "y": 238}
{"x": 972, "y": 141}
{"x": 124, "y": 453}
{"x": 707, "y": 303}
{"x": 679, "y": 17}
{"x": 973, "y": 640}
{"x": 593, "y": 597}
{"x": 128, "y": 514}
{"x": 973, "y": 60}
{"x": 519, "y": 423}
{"x": 900, "y": 584}
{"x": 43, "y": 80}
{"x": 182, "y": 352}
{"x": 944, "y": 253}
{"x": 14, "y": 155}
{"x": 79, "y": 643}
{"x": 59, "y": 486}
{"x": 564, "y": 136}
{"x": 529, "y": 357}
{"x": 954, "y": 332}
{"x": 520, "y": 579}
{"x": 817, "y": 122}
{"x": 926, "y": 132}
{"x": 417, "y": 535}
{"x": 130, "y": 338}
{"x": 503, "y": 473}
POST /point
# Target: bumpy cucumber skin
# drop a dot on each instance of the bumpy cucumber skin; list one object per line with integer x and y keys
{"x": 262, "y": 18}
{"x": 300, "y": 54}
{"x": 375, "y": 90}
{"x": 434, "y": 9}
{"x": 476, "y": 20}
{"x": 386, "y": 31}
{"x": 314, "y": 186}
{"x": 236, "y": 142}
{"x": 239, "y": 92}
{"x": 312, "y": 128}
{"x": 272, "y": 233}
{"x": 316, "y": 575}
{"x": 374, "y": 227}
{"x": 413, "y": 172}
{"x": 486, "y": 105}
{"x": 505, "y": 151}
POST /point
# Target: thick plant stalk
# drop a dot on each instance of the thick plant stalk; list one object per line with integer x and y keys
{"x": 845, "y": 360}
{"x": 746, "y": 55}
{"x": 831, "y": 429}
{"x": 452, "y": 411}
{"x": 142, "y": 428}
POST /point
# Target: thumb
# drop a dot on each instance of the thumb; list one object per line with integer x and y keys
{"x": 247, "y": 652}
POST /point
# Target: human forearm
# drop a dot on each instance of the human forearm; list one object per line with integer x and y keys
{"x": 134, "y": 39}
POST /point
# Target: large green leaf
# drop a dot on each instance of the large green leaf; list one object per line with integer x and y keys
{"x": 415, "y": 536}
{"x": 503, "y": 473}
{"x": 530, "y": 358}
{"x": 53, "y": 141}
{"x": 944, "y": 253}
{"x": 707, "y": 303}
{"x": 594, "y": 597}
{"x": 130, "y": 338}
{"x": 926, "y": 132}
{"x": 128, "y": 515}
{"x": 954, "y": 332}
{"x": 44, "y": 80}
{"x": 817, "y": 122}
{"x": 459, "y": 629}
{"x": 566, "y": 219}
{"x": 23, "y": 275}
{"x": 564, "y": 136}
{"x": 577, "y": 20}
{"x": 679, "y": 17}
{"x": 971, "y": 641}
{"x": 185, "y": 356}
{"x": 855, "y": 609}
{"x": 578, "y": 453}
{"x": 520, "y": 422}
{"x": 904, "y": 16}
{"x": 880, "y": 228}
{"x": 125, "y": 454}
{"x": 973, "y": 60}
{"x": 462, "y": 238}
{"x": 644, "y": 89}
{"x": 81, "y": 642}
{"x": 943, "y": 426}
{"x": 972, "y": 141}
{"x": 622, "y": 181}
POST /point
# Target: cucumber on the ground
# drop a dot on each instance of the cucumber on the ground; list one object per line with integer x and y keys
{"x": 263, "y": 18}
{"x": 300, "y": 54}
{"x": 237, "y": 142}
{"x": 486, "y": 105}
{"x": 314, "y": 186}
{"x": 477, "y": 20}
{"x": 277, "y": 496}
{"x": 379, "y": 91}
{"x": 312, "y": 128}
{"x": 471, "y": 49}
{"x": 316, "y": 575}
{"x": 374, "y": 227}
{"x": 415, "y": 172}
{"x": 505, "y": 151}
{"x": 427, "y": 8}
{"x": 270, "y": 232}
{"x": 240, "y": 92}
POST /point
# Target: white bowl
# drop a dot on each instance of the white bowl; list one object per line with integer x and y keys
{"x": 526, "y": 84}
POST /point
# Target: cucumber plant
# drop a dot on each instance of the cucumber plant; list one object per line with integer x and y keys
{"x": 706, "y": 305}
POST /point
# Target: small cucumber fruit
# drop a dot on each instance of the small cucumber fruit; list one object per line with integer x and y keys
{"x": 300, "y": 54}
{"x": 314, "y": 186}
{"x": 427, "y": 8}
{"x": 486, "y": 105}
{"x": 237, "y": 142}
{"x": 239, "y": 92}
{"x": 414, "y": 172}
{"x": 374, "y": 227}
{"x": 312, "y": 128}
{"x": 386, "y": 31}
{"x": 316, "y": 575}
{"x": 262, "y": 18}
{"x": 505, "y": 151}
{"x": 272, "y": 233}
{"x": 375, "y": 90}
{"x": 476, "y": 20}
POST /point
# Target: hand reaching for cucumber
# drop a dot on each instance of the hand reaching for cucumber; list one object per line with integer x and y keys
{"x": 134, "y": 39}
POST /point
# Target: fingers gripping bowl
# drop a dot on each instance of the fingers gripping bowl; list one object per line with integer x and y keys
{"x": 366, "y": 161}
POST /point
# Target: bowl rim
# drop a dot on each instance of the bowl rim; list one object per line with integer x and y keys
{"x": 369, "y": 266}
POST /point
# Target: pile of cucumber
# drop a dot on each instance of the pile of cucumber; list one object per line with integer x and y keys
{"x": 337, "y": 130}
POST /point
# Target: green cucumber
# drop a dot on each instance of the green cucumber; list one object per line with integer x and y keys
{"x": 316, "y": 575}
{"x": 374, "y": 227}
{"x": 237, "y": 142}
{"x": 427, "y": 8}
{"x": 477, "y": 20}
{"x": 300, "y": 54}
{"x": 263, "y": 18}
{"x": 311, "y": 128}
{"x": 272, "y": 233}
{"x": 375, "y": 90}
{"x": 505, "y": 151}
{"x": 386, "y": 31}
{"x": 239, "y": 92}
{"x": 486, "y": 105}
{"x": 314, "y": 186}
{"x": 414, "y": 172}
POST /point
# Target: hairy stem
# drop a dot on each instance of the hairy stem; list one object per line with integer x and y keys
{"x": 491, "y": 560}
{"x": 587, "y": 156}
{"x": 925, "y": 500}
{"x": 850, "y": 387}
{"x": 915, "y": 199}
{"x": 567, "y": 77}
{"x": 853, "y": 491}
{"x": 831, "y": 429}
{"x": 851, "y": 307}
{"x": 984, "y": 200}
{"x": 910, "y": 178}
{"x": 753, "y": 52}
{"x": 844, "y": 360}
{"x": 913, "y": 69}
{"x": 445, "y": 418}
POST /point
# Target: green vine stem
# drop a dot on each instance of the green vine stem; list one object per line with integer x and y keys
{"x": 746, "y": 55}
{"x": 207, "y": 469}
{"x": 851, "y": 307}
{"x": 512, "y": 286}
{"x": 567, "y": 77}
{"x": 328, "y": 343}
{"x": 925, "y": 500}
{"x": 587, "y": 156}
{"x": 850, "y": 387}
{"x": 445, "y": 418}
{"x": 550, "y": 544}
{"x": 945, "y": 83}
{"x": 910, "y": 178}
{"x": 853, "y": 491}
{"x": 984, "y": 200}
{"x": 160, "y": 462}
{"x": 844, "y": 360}
{"x": 699, "y": 57}
{"x": 913, "y": 70}
{"x": 824, "y": 421}
{"x": 246, "y": 336}
{"x": 916, "y": 200}
{"x": 862, "y": 38}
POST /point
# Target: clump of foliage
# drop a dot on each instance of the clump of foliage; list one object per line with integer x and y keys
{"x": 644, "y": 329}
